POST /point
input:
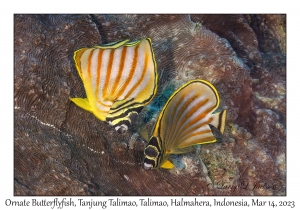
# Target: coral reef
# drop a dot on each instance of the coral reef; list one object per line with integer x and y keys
{"x": 60, "y": 149}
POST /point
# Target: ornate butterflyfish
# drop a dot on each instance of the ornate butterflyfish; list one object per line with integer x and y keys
{"x": 119, "y": 80}
{"x": 183, "y": 122}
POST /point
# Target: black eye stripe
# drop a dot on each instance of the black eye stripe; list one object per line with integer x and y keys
{"x": 153, "y": 141}
{"x": 153, "y": 152}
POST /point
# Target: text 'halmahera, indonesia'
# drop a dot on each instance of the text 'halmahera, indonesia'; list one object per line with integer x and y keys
{"x": 60, "y": 203}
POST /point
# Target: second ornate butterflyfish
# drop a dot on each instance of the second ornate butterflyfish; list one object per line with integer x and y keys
{"x": 119, "y": 79}
{"x": 183, "y": 122}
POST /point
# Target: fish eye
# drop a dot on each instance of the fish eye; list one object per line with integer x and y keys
{"x": 151, "y": 152}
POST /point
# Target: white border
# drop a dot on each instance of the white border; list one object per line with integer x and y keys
{"x": 155, "y": 6}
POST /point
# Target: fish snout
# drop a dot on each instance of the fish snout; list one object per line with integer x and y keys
{"x": 148, "y": 166}
{"x": 121, "y": 129}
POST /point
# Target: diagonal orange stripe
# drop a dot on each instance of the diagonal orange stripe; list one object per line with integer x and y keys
{"x": 104, "y": 104}
{"x": 197, "y": 133}
{"x": 100, "y": 53}
{"x": 146, "y": 60}
{"x": 132, "y": 70}
{"x": 192, "y": 111}
{"x": 109, "y": 69}
{"x": 189, "y": 128}
{"x": 90, "y": 63}
{"x": 202, "y": 140}
{"x": 182, "y": 109}
{"x": 172, "y": 122}
{"x": 120, "y": 72}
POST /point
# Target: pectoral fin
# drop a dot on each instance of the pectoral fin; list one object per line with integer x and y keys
{"x": 82, "y": 103}
{"x": 143, "y": 131}
{"x": 167, "y": 165}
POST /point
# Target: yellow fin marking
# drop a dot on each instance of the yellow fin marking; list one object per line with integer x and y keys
{"x": 167, "y": 165}
{"x": 114, "y": 45}
{"x": 208, "y": 142}
{"x": 223, "y": 120}
{"x": 82, "y": 103}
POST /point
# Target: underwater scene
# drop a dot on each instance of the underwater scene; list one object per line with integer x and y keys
{"x": 148, "y": 104}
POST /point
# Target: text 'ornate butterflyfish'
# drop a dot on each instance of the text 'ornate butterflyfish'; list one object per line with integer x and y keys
{"x": 119, "y": 79}
{"x": 183, "y": 122}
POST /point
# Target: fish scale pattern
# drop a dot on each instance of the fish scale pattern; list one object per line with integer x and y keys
{"x": 60, "y": 149}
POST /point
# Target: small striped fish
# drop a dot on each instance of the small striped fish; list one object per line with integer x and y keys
{"x": 184, "y": 121}
{"x": 119, "y": 79}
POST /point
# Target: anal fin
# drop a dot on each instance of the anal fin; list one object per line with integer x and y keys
{"x": 82, "y": 103}
{"x": 144, "y": 133}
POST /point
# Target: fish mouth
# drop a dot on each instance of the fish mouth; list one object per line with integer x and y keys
{"x": 148, "y": 166}
{"x": 121, "y": 129}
